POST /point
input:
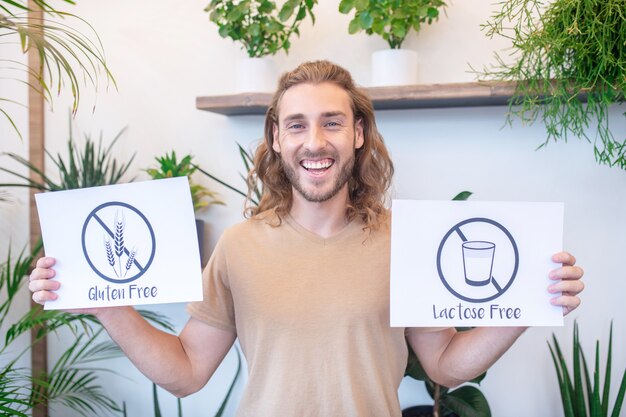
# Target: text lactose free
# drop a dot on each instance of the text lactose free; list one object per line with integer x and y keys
{"x": 462, "y": 312}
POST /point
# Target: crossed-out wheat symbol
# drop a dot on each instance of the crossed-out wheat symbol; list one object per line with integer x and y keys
{"x": 117, "y": 250}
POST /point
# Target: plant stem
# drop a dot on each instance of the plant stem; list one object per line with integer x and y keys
{"x": 436, "y": 398}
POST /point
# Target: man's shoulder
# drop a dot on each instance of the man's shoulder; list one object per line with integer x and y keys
{"x": 259, "y": 223}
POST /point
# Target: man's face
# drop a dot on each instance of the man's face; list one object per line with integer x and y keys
{"x": 316, "y": 137}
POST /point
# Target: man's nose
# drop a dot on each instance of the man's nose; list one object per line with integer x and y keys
{"x": 316, "y": 139}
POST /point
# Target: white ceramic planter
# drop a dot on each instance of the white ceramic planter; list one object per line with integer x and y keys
{"x": 256, "y": 75}
{"x": 394, "y": 67}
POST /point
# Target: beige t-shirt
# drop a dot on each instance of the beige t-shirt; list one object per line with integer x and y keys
{"x": 312, "y": 317}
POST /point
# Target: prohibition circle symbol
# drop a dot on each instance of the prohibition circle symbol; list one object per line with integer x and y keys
{"x": 460, "y": 233}
{"x": 132, "y": 263}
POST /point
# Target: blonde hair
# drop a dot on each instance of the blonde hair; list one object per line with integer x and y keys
{"x": 373, "y": 169}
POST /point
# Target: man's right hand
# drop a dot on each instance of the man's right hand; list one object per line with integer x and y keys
{"x": 43, "y": 287}
{"x": 41, "y": 284}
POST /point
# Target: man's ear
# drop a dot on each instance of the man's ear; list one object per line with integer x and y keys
{"x": 358, "y": 134}
{"x": 275, "y": 143}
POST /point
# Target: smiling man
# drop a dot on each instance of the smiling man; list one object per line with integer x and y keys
{"x": 304, "y": 281}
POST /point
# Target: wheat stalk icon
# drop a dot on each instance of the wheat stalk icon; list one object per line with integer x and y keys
{"x": 116, "y": 249}
{"x": 131, "y": 259}
{"x": 110, "y": 257}
{"x": 120, "y": 225}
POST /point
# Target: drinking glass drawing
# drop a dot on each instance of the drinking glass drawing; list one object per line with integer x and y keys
{"x": 478, "y": 262}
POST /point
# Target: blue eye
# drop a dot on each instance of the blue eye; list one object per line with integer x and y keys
{"x": 295, "y": 126}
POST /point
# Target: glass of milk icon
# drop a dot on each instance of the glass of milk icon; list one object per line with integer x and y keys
{"x": 478, "y": 262}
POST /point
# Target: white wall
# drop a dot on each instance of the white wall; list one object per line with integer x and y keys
{"x": 166, "y": 53}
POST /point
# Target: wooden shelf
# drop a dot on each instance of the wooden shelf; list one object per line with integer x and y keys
{"x": 384, "y": 98}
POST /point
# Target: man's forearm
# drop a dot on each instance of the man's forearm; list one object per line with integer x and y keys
{"x": 472, "y": 352}
{"x": 157, "y": 354}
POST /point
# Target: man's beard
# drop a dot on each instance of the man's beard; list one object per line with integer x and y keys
{"x": 344, "y": 176}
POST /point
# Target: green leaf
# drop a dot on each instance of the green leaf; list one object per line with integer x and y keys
{"x": 354, "y": 26}
{"x": 365, "y": 20}
{"x": 345, "y": 6}
{"x": 155, "y": 401}
{"x": 466, "y": 401}
{"x": 462, "y": 196}
{"x": 361, "y": 5}
{"x": 286, "y": 11}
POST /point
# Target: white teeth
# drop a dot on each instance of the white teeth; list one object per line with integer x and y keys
{"x": 317, "y": 164}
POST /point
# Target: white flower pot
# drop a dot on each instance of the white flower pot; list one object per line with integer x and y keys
{"x": 256, "y": 75}
{"x": 394, "y": 67}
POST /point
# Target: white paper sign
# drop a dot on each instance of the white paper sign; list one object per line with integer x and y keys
{"x": 464, "y": 263}
{"x": 126, "y": 244}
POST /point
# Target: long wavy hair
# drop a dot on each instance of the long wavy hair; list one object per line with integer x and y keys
{"x": 373, "y": 169}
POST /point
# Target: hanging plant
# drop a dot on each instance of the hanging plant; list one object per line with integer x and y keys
{"x": 258, "y": 25}
{"x": 569, "y": 68}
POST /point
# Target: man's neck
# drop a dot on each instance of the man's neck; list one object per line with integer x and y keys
{"x": 325, "y": 219}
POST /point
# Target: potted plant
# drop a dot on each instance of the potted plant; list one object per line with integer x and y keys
{"x": 392, "y": 20}
{"x": 68, "y": 56}
{"x": 262, "y": 30}
{"x": 248, "y": 163}
{"x": 91, "y": 166}
{"x": 465, "y": 401}
{"x": 569, "y": 67}
{"x": 581, "y": 393}
{"x": 169, "y": 167}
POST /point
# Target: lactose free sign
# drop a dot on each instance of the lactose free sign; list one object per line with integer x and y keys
{"x": 126, "y": 244}
{"x": 473, "y": 263}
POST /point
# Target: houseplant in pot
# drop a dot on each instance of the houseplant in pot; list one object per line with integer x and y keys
{"x": 168, "y": 167}
{"x": 465, "y": 401}
{"x": 262, "y": 30}
{"x": 581, "y": 393}
{"x": 568, "y": 66}
{"x": 392, "y": 20}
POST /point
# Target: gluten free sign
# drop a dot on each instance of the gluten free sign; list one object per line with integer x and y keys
{"x": 127, "y": 244}
{"x": 464, "y": 263}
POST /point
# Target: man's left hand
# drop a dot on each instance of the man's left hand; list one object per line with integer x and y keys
{"x": 568, "y": 282}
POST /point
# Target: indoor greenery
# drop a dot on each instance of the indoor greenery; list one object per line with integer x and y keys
{"x": 568, "y": 61}
{"x": 258, "y": 25}
{"x": 169, "y": 167}
{"x": 69, "y": 58}
{"x": 390, "y": 19}
{"x": 581, "y": 392}
{"x": 91, "y": 166}
{"x": 465, "y": 401}
{"x": 248, "y": 163}
{"x": 72, "y": 380}
{"x": 220, "y": 410}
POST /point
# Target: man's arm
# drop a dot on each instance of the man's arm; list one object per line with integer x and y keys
{"x": 180, "y": 364}
{"x": 451, "y": 358}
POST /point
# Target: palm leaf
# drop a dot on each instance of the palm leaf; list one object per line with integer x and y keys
{"x": 68, "y": 56}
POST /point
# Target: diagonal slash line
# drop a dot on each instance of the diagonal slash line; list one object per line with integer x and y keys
{"x": 464, "y": 239}
{"x": 495, "y": 284}
{"x": 461, "y": 235}
{"x": 106, "y": 229}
